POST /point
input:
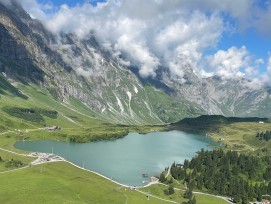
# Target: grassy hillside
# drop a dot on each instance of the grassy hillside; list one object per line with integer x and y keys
{"x": 233, "y": 133}
{"x": 168, "y": 108}
{"x": 25, "y": 112}
{"x": 62, "y": 183}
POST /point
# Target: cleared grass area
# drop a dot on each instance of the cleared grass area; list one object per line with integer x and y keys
{"x": 159, "y": 190}
{"x": 204, "y": 199}
{"x": 239, "y": 136}
{"x": 63, "y": 183}
{"x": 242, "y": 137}
{"x": 6, "y": 156}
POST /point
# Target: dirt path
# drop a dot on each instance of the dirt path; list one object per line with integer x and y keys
{"x": 14, "y": 170}
{"x": 25, "y": 155}
{"x": 150, "y": 195}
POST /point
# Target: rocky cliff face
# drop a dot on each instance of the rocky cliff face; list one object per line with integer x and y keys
{"x": 71, "y": 68}
{"x": 232, "y": 97}
{"x": 75, "y": 69}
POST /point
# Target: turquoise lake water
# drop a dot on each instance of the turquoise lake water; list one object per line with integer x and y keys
{"x": 125, "y": 160}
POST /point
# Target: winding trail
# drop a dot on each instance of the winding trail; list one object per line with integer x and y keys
{"x": 3, "y": 133}
{"x": 150, "y": 195}
{"x": 25, "y": 155}
{"x": 14, "y": 131}
{"x": 14, "y": 169}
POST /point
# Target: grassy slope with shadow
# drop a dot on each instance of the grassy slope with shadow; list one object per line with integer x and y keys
{"x": 234, "y": 133}
{"x": 63, "y": 183}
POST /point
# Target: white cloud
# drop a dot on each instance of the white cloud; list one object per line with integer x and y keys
{"x": 152, "y": 34}
{"x": 232, "y": 63}
{"x": 183, "y": 41}
{"x": 140, "y": 54}
{"x": 170, "y": 33}
{"x": 267, "y": 76}
{"x": 36, "y": 10}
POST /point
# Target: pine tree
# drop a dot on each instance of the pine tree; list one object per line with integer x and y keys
{"x": 185, "y": 164}
{"x": 199, "y": 180}
{"x": 245, "y": 198}
{"x": 193, "y": 201}
{"x": 162, "y": 178}
{"x": 267, "y": 174}
{"x": 188, "y": 194}
{"x": 269, "y": 188}
{"x": 170, "y": 181}
{"x": 171, "y": 190}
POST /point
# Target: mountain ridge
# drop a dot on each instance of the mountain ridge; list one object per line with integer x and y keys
{"x": 73, "y": 68}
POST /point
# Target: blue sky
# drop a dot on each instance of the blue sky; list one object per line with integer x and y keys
{"x": 255, "y": 42}
{"x": 217, "y": 37}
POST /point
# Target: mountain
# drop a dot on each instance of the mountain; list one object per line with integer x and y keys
{"x": 228, "y": 97}
{"x": 78, "y": 75}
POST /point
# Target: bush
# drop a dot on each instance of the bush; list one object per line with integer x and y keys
{"x": 171, "y": 190}
{"x": 162, "y": 178}
{"x": 13, "y": 163}
{"x": 30, "y": 114}
{"x": 188, "y": 194}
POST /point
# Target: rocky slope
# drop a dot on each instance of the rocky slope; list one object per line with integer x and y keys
{"x": 74, "y": 69}
{"x": 232, "y": 97}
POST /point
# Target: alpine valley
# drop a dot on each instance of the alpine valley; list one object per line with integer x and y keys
{"x": 79, "y": 76}
{"x": 156, "y": 102}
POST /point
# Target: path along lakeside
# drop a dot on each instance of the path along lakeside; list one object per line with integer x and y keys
{"x": 43, "y": 158}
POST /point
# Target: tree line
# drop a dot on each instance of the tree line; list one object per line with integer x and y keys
{"x": 242, "y": 177}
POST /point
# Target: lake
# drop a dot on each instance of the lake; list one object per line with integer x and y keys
{"x": 125, "y": 160}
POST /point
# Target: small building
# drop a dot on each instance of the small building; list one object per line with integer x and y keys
{"x": 53, "y": 128}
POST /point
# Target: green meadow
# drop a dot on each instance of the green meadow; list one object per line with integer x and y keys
{"x": 233, "y": 134}
{"x": 24, "y": 116}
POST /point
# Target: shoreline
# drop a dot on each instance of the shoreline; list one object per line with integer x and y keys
{"x": 145, "y": 184}
{"x": 109, "y": 179}
{"x": 40, "y": 160}
{"x": 96, "y": 173}
{"x": 136, "y": 188}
